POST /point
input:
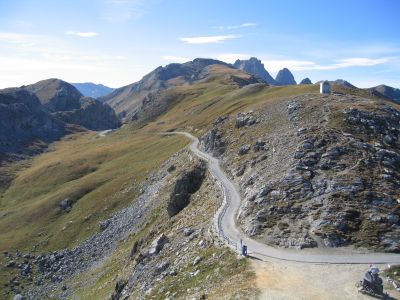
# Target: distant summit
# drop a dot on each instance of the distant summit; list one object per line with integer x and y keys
{"x": 306, "y": 81}
{"x": 341, "y": 82}
{"x": 386, "y": 92}
{"x": 344, "y": 83}
{"x": 67, "y": 104}
{"x": 90, "y": 89}
{"x": 285, "y": 77}
{"x": 55, "y": 94}
{"x": 255, "y": 67}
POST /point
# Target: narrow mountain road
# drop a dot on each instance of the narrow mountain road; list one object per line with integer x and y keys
{"x": 225, "y": 226}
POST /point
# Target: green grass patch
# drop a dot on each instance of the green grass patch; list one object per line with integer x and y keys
{"x": 98, "y": 174}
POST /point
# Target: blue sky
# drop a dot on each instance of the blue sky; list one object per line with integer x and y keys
{"x": 116, "y": 42}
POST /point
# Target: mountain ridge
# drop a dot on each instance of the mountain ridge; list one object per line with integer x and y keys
{"x": 129, "y": 101}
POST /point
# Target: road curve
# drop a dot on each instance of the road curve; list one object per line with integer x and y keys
{"x": 225, "y": 227}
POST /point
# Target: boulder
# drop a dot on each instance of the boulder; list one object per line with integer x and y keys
{"x": 245, "y": 119}
{"x": 197, "y": 260}
{"x": 104, "y": 224}
{"x": 187, "y": 184}
{"x": 66, "y": 205}
{"x": 259, "y": 145}
{"x": 161, "y": 267}
{"x": 244, "y": 149}
{"x": 187, "y": 231}
{"x": 158, "y": 244}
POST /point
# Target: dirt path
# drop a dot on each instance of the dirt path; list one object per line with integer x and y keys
{"x": 288, "y": 280}
{"x": 225, "y": 224}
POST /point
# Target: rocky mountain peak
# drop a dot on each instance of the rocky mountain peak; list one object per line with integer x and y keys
{"x": 285, "y": 77}
{"x": 255, "y": 67}
{"x": 306, "y": 81}
{"x": 56, "y": 94}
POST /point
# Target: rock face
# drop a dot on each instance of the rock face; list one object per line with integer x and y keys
{"x": 255, "y": 67}
{"x": 35, "y": 115}
{"x": 285, "y": 77}
{"x": 187, "y": 184}
{"x": 92, "y": 114}
{"x": 327, "y": 176}
{"x": 213, "y": 141}
{"x": 89, "y": 89}
{"x": 25, "y": 126}
{"x": 68, "y": 104}
{"x": 158, "y": 244}
{"x": 386, "y": 92}
{"x": 55, "y": 95}
{"x": 306, "y": 81}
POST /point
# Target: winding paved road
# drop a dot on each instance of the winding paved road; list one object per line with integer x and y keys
{"x": 225, "y": 227}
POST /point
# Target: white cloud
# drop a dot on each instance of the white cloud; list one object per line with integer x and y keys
{"x": 82, "y": 34}
{"x": 361, "y": 62}
{"x": 231, "y": 27}
{"x": 26, "y": 58}
{"x": 213, "y": 39}
{"x": 231, "y": 57}
{"x": 301, "y": 65}
{"x": 178, "y": 59}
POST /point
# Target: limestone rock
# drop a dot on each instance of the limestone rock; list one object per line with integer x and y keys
{"x": 285, "y": 77}
{"x": 158, "y": 244}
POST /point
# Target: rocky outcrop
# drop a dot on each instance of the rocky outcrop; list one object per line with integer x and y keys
{"x": 187, "y": 184}
{"x": 92, "y": 115}
{"x": 69, "y": 105}
{"x": 327, "y": 176}
{"x": 25, "y": 127}
{"x": 35, "y": 115}
{"x": 213, "y": 141}
{"x": 245, "y": 119}
{"x": 306, "y": 81}
{"x": 255, "y": 67}
{"x": 285, "y": 77}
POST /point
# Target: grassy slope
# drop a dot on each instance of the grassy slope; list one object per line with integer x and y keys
{"x": 88, "y": 169}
